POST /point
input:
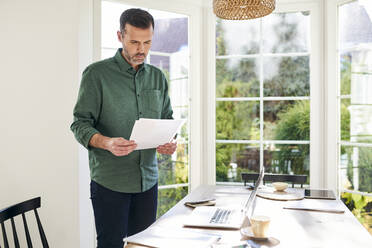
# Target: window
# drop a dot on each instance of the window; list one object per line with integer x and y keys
{"x": 171, "y": 55}
{"x": 263, "y": 95}
{"x": 355, "y": 107}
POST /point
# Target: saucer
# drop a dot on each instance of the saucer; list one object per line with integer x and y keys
{"x": 247, "y": 231}
{"x": 280, "y": 195}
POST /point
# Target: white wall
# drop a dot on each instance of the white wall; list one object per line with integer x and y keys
{"x": 38, "y": 88}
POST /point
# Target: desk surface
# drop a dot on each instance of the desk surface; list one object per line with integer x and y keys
{"x": 293, "y": 228}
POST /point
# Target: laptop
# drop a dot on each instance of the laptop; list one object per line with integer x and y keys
{"x": 224, "y": 217}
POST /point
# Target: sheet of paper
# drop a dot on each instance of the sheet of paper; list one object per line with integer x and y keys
{"x": 330, "y": 206}
{"x": 151, "y": 133}
{"x": 172, "y": 237}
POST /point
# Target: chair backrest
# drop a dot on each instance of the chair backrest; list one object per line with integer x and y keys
{"x": 17, "y": 209}
{"x": 294, "y": 179}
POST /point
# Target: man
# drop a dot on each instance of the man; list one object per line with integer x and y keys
{"x": 113, "y": 94}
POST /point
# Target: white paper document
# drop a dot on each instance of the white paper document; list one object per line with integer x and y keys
{"x": 172, "y": 237}
{"x": 151, "y": 133}
{"x": 329, "y": 206}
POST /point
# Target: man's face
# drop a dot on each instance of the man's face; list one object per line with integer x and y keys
{"x": 136, "y": 43}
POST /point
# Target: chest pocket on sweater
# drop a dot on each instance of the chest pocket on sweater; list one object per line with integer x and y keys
{"x": 152, "y": 100}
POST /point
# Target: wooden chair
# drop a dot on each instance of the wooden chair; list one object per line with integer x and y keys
{"x": 17, "y": 209}
{"x": 298, "y": 179}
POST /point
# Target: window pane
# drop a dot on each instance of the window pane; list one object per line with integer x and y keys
{"x": 345, "y": 119}
{"x": 355, "y": 24}
{"x": 237, "y": 77}
{"x": 287, "y": 120}
{"x": 345, "y": 73}
{"x": 178, "y": 92}
{"x": 356, "y": 168}
{"x": 233, "y": 159}
{"x": 356, "y": 122}
{"x": 238, "y": 120}
{"x": 286, "y": 76}
{"x": 237, "y": 37}
{"x": 110, "y": 15}
{"x": 167, "y": 198}
{"x": 287, "y": 159}
{"x": 173, "y": 169}
{"x": 180, "y": 112}
{"x": 286, "y": 32}
{"x": 107, "y": 53}
{"x": 179, "y": 81}
{"x": 356, "y": 82}
{"x": 160, "y": 61}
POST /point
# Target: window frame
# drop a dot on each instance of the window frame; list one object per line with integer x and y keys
{"x": 334, "y": 141}
{"x": 317, "y": 171}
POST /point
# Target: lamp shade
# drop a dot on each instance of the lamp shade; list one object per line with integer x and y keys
{"x": 242, "y": 9}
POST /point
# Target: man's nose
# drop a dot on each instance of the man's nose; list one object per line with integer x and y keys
{"x": 141, "y": 48}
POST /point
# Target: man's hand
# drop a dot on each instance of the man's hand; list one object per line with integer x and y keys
{"x": 120, "y": 146}
{"x": 168, "y": 148}
{"x": 117, "y": 146}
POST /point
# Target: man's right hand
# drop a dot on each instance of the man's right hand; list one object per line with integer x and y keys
{"x": 117, "y": 146}
{"x": 120, "y": 146}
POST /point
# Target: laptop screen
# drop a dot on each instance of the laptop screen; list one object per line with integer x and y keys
{"x": 252, "y": 196}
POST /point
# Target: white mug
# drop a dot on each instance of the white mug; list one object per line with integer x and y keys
{"x": 260, "y": 225}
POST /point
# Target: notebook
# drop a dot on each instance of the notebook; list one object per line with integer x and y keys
{"x": 316, "y": 205}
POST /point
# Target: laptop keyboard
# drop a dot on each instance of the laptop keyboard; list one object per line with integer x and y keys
{"x": 221, "y": 216}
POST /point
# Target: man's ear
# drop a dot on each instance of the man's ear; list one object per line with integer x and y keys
{"x": 120, "y": 37}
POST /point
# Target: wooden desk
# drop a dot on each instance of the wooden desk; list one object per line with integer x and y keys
{"x": 293, "y": 228}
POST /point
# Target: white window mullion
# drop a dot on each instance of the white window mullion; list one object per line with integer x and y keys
{"x": 267, "y": 98}
{"x": 245, "y": 56}
{"x": 160, "y": 53}
{"x": 357, "y": 192}
{"x": 261, "y": 99}
{"x": 237, "y": 141}
{"x": 238, "y": 56}
{"x": 332, "y": 146}
{"x": 345, "y": 97}
{"x": 317, "y": 161}
{"x": 173, "y": 186}
{"x": 281, "y": 142}
{"x": 237, "y": 99}
{"x": 346, "y": 143}
{"x": 208, "y": 170}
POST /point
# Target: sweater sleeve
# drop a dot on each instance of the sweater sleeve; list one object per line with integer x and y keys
{"x": 87, "y": 109}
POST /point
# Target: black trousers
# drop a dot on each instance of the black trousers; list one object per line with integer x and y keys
{"x": 118, "y": 215}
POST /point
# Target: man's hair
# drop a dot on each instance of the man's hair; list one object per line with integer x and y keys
{"x": 136, "y": 17}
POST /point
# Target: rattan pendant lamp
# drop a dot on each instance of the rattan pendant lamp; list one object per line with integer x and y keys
{"x": 242, "y": 9}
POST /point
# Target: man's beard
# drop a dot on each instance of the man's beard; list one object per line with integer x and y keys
{"x": 133, "y": 59}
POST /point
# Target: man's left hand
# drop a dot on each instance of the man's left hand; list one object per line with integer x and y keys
{"x": 168, "y": 148}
